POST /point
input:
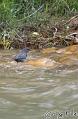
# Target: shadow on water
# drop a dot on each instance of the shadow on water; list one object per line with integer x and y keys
{"x": 39, "y": 91}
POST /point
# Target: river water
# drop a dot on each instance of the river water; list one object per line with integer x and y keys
{"x": 31, "y": 92}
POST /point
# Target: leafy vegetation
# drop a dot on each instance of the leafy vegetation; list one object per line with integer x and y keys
{"x": 16, "y": 13}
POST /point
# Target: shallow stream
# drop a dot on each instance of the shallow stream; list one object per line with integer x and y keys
{"x": 31, "y": 92}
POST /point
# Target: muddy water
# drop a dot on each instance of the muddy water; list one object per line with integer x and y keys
{"x": 35, "y": 91}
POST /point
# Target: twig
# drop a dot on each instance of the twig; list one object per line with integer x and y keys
{"x": 70, "y": 20}
{"x": 72, "y": 34}
{"x": 19, "y": 36}
{"x": 54, "y": 33}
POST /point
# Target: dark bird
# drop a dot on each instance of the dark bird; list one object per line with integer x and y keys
{"x": 21, "y": 56}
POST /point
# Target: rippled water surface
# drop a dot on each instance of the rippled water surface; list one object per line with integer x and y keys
{"x": 29, "y": 92}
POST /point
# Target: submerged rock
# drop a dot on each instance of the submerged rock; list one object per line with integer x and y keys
{"x": 43, "y": 62}
{"x": 49, "y": 50}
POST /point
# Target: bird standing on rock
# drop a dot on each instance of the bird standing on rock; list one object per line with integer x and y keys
{"x": 21, "y": 57}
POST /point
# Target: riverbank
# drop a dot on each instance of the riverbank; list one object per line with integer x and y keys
{"x": 59, "y": 32}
